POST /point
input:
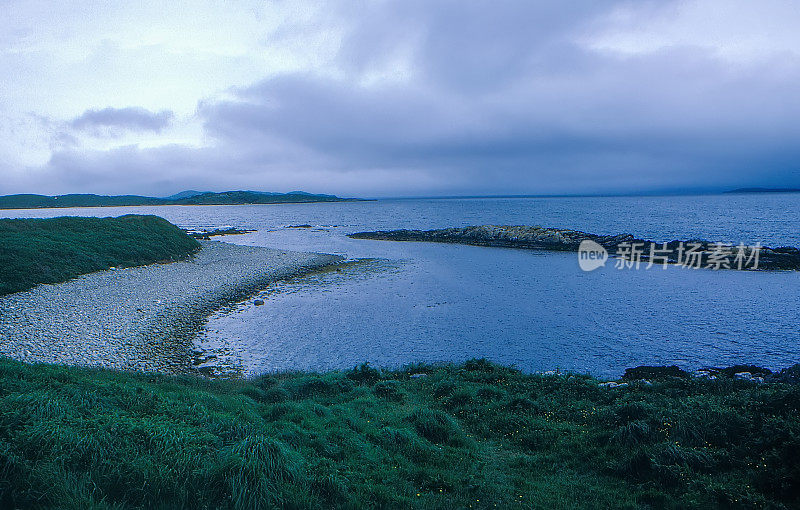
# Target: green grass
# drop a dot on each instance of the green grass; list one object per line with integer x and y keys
{"x": 34, "y": 251}
{"x": 466, "y": 436}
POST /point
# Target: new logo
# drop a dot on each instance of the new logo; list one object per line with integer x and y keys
{"x": 591, "y": 255}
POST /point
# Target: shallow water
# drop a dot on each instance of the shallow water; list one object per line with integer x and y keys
{"x": 537, "y": 310}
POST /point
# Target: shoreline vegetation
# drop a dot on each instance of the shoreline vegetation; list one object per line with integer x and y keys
{"x": 471, "y": 435}
{"x": 29, "y": 201}
{"x": 52, "y": 250}
{"x": 553, "y": 239}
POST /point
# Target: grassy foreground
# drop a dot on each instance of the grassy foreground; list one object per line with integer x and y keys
{"x": 475, "y": 435}
{"x": 52, "y": 250}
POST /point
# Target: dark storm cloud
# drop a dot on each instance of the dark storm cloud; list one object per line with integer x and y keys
{"x": 468, "y": 97}
{"x": 130, "y": 119}
{"x": 675, "y": 119}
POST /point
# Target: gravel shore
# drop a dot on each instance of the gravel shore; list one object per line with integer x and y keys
{"x": 140, "y": 318}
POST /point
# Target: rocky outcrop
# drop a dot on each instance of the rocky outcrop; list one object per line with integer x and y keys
{"x": 748, "y": 373}
{"x": 533, "y": 237}
{"x": 654, "y": 373}
{"x": 225, "y": 231}
{"x": 692, "y": 253}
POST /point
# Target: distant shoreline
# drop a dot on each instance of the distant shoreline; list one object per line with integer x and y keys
{"x": 180, "y": 205}
{"x": 762, "y": 190}
{"x": 655, "y": 194}
{"x": 32, "y": 201}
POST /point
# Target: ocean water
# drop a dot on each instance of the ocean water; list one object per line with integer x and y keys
{"x": 404, "y": 302}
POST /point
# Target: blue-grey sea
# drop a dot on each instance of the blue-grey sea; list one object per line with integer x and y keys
{"x": 535, "y": 310}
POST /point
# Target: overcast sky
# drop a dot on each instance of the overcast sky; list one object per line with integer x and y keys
{"x": 385, "y": 98}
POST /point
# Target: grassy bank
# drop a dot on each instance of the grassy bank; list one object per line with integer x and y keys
{"x": 475, "y": 435}
{"x": 52, "y": 250}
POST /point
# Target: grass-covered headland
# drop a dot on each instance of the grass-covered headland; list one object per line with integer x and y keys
{"x": 52, "y": 250}
{"x": 474, "y": 435}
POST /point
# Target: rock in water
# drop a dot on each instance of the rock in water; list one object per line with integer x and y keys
{"x": 654, "y": 373}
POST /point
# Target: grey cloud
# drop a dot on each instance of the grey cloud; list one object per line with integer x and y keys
{"x": 467, "y": 46}
{"x": 498, "y": 99}
{"x": 680, "y": 118}
{"x": 129, "y": 119}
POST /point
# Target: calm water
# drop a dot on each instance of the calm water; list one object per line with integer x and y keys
{"x": 431, "y": 302}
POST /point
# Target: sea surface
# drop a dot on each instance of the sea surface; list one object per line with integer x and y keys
{"x": 398, "y": 303}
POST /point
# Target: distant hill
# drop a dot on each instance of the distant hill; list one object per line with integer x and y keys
{"x": 764, "y": 190}
{"x": 28, "y": 201}
{"x": 185, "y": 194}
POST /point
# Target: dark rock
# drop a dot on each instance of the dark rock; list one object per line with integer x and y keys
{"x": 655, "y": 373}
{"x": 207, "y": 371}
{"x": 789, "y": 375}
{"x": 258, "y": 302}
{"x": 207, "y": 234}
{"x": 753, "y": 370}
{"x": 305, "y": 225}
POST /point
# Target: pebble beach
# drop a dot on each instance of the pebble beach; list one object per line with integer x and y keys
{"x": 140, "y": 318}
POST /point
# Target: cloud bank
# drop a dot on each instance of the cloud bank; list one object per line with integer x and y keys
{"x": 114, "y": 119}
{"x": 454, "y": 97}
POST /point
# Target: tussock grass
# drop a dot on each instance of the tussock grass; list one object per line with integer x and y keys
{"x": 52, "y": 250}
{"x": 465, "y": 436}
